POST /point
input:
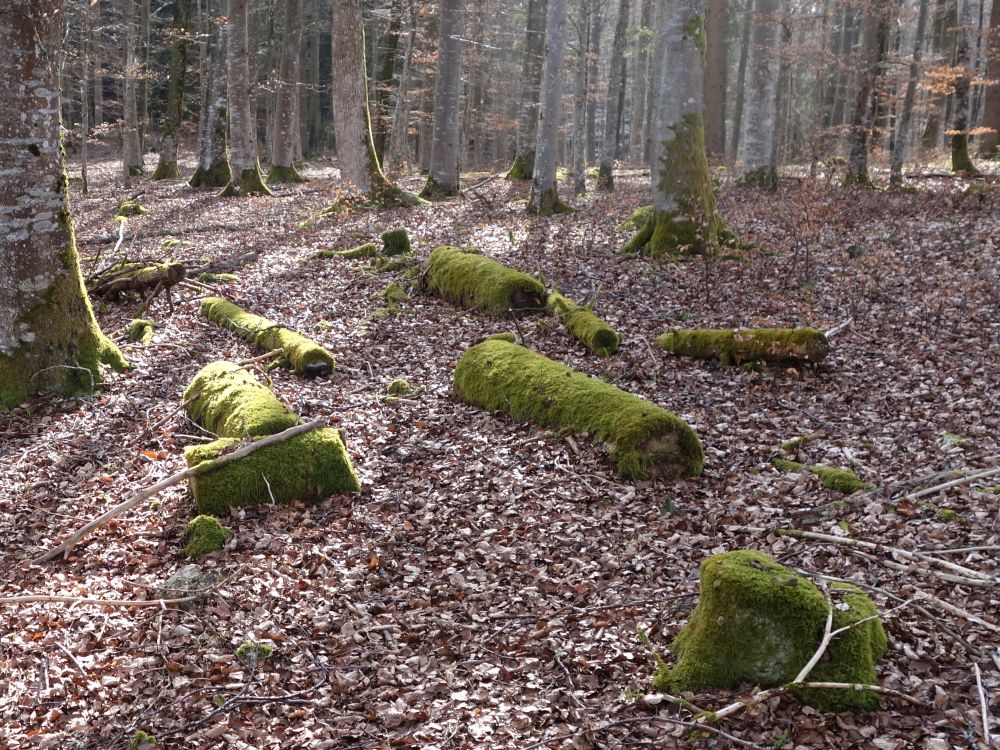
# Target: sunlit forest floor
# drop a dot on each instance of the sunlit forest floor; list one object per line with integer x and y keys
{"x": 495, "y": 584}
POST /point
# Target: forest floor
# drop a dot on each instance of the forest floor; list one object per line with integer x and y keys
{"x": 495, "y": 584}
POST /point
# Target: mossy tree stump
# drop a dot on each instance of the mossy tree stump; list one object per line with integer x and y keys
{"x": 759, "y": 622}
{"x": 585, "y": 327}
{"x": 396, "y": 242}
{"x": 646, "y": 441}
{"x": 735, "y": 346}
{"x": 475, "y": 281}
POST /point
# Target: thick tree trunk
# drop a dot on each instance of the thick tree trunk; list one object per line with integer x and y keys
{"x": 286, "y": 127}
{"x": 580, "y": 100}
{"x": 616, "y": 75}
{"x": 989, "y": 143}
{"x": 866, "y": 105}
{"x": 544, "y": 198}
{"x": 684, "y": 218}
{"x": 716, "y": 66}
{"x": 169, "y": 137}
{"x": 531, "y": 82}
{"x": 741, "y": 78}
{"x": 443, "y": 178}
{"x": 132, "y": 162}
{"x": 960, "y": 159}
{"x": 593, "y": 76}
{"x": 246, "y": 178}
{"x": 756, "y": 149}
{"x": 213, "y": 158}
{"x": 48, "y": 336}
{"x": 903, "y": 129}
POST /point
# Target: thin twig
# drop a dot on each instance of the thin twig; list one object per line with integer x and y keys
{"x": 984, "y": 709}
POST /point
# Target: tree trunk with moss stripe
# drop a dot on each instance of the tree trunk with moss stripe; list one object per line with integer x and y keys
{"x": 48, "y": 336}
{"x": 756, "y": 153}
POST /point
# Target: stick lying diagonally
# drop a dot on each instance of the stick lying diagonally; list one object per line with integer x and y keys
{"x": 203, "y": 468}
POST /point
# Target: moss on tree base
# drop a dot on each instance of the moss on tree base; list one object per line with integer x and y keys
{"x": 736, "y": 346}
{"x": 166, "y": 170}
{"x": 961, "y": 161}
{"x": 279, "y": 173}
{"x": 548, "y": 204}
{"x": 522, "y": 168}
{"x": 303, "y": 355}
{"x": 674, "y": 234}
{"x": 759, "y": 622}
{"x": 646, "y": 441}
{"x": 762, "y": 177}
{"x": 475, "y": 281}
{"x": 226, "y": 399}
{"x": 605, "y": 179}
{"x": 832, "y": 477}
{"x": 636, "y": 220}
{"x": 251, "y": 182}
{"x": 218, "y": 175}
{"x": 434, "y": 190}
{"x": 585, "y": 327}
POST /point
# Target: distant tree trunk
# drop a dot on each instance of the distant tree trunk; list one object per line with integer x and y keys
{"x": 640, "y": 86}
{"x": 132, "y": 162}
{"x": 756, "y": 154}
{"x": 142, "y": 73}
{"x": 903, "y": 129}
{"x": 213, "y": 158}
{"x": 741, "y": 77}
{"x": 544, "y": 199}
{"x": 684, "y": 218}
{"x": 867, "y": 102}
{"x": 98, "y": 64}
{"x": 49, "y": 338}
{"x": 593, "y": 77}
{"x": 246, "y": 178}
{"x": 310, "y": 107}
{"x": 531, "y": 81}
{"x": 443, "y": 178}
{"x": 960, "y": 159}
{"x": 989, "y": 143}
{"x": 609, "y": 145}
{"x": 85, "y": 34}
{"x": 716, "y": 67}
{"x": 943, "y": 45}
{"x": 399, "y": 140}
{"x": 286, "y": 126}
{"x": 383, "y": 84}
{"x": 170, "y": 135}
{"x": 580, "y": 99}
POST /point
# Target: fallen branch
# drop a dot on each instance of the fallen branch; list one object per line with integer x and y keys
{"x": 838, "y": 328}
{"x": 953, "y": 483}
{"x": 65, "y": 547}
{"x": 74, "y": 600}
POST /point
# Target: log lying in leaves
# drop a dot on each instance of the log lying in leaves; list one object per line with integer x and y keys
{"x": 304, "y": 355}
{"x": 735, "y": 346}
{"x": 471, "y": 280}
{"x": 367, "y": 250}
{"x": 646, "y": 441}
{"x": 137, "y": 277}
{"x": 140, "y": 330}
{"x": 585, "y": 327}
{"x": 226, "y": 399}
{"x": 832, "y": 477}
{"x": 227, "y": 265}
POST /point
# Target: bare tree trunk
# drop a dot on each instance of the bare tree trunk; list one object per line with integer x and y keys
{"x": 544, "y": 199}
{"x": 169, "y": 137}
{"x": 213, "y": 158}
{"x": 716, "y": 66}
{"x": 132, "y": 162}
{"x": 246, "y": 178}
{"x": 285, "y": 126}
{"x": 531, "y": 81}
{"x": 443, "y": 178}
{"x": 640, "y": 84}
{"x": 49, "y": 338}
{"x": 866, "y": 104}
{"x": 382, "y": 125}
{"x": 609, "y": 146}
{"x": 741, "y": 77}
{"x": 142, "y": 73}
{"x": 580, "y": 99}
{"x": 960, "y": 159}
{"x": 989, "y": 143}
{"x": 593, "y": 76}
{"x": 756, "y": 147}
{"x": 96, "y": 36}
{"x": 399, "y": 145}
{"x": 903, "y": 129}
{"x": 310, "y": 107}
{"x": 85, "y": 34}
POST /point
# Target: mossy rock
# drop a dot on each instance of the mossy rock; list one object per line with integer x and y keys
{"x": 474, "y": 281}
{"x": 637, "y": 219}
{"x": 396, "y": 242}
{"x": 203, "y": 535}
{"x": 585, "y": 327}
{"x": 398, "y": 387}
{"x": 227, "y": 400}
{"x": 309, "y": 467}
{"x": 391, "y": 265}
{"x": 367, "y": 250}
{"x": 758, "y": 622}
{"x": 140, "y": 331}
{"x": 832, "y": 477}
{"x": 739, "y": 345}
{"x": 130, "y": 208}
{"x": 251, "y": 652}
{"x": 646, "y": 441}
{"x": 304, "y": 355}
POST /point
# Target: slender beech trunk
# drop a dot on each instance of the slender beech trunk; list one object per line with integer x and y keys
{"x": 741, "y": 78}
{"x": 246, "y": 177}
{"x": 640, "y": 85}
{"x": 443, "y": 178}
{"x": 867, "y": 102}
{"x": 312, "y": 126}
{"x": 593, "y": 79}
{"x": 170, "y": 135}
{"x": 285, "y": 125}
{"x": 960, "y": 159}
{"x": 132, "y": 162}
{"x": 756, "y": 155}
{"x": 49, "y": 338}
{"x": 531, "y": 81}
{"x": 213, "y": 158}
{"x": 399, "y": 145}
{"x": 580, "y": 99}
{"x": 382, "y": 125}
{"x": 685, "y": 218}
{"x": 989, "y": 143}
{"x": 903, "y": 129}
{"x": 544, "y": 199}
{"x": 142, "y": 73}
{"x": 616, "y": 74}
{"x": 85, "y": 34}
{"x": 716, "y": 67}
{"x": 98, "y": 47}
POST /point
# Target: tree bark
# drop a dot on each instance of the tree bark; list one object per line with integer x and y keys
{"x": 531, "y": 82}
{"x": 593, "y": 79}
{"x": 132, "y": 161}
{"x": 286, "y": 127}
{"x": 640, "y": 84}
{"x": 741, "y": 77}
{"x": 960, "y": 159}
{"x": 716, "y": 67}
{"x": 903, "y": 129}
{"x": 544, "y": 198}
{"x": 49, "y": 338}
{"x": 382, "y": 125}
{"x": 85, "y": 35}
{"x": 399, "y": 146}
{"x": 213, "y": 158}
{"x": 616, "y": 75}
{"x": 989, "y": 143}
{"x": 170, "y": 136}
{"x": 756, "y": 147}
{"x": 443, "y": 178}
{"x": 580, "y": 88}
{"x": 866, "y": 104}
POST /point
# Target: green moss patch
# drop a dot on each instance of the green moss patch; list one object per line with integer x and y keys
{"x": 227, "y": 400}
{"x": 508, "y": 336}
{"x": 396, "y": 242}
{"x": 308, "y": 467}
{"x": 646, "y": 441}
{"x": 367, "y": 250}
{"x": 215, "y": 278}
{"x": 832, "y": 477}
{"x": 475, "y": 281}
{"x": 758, "y": 622}
{"x": 140, "y": 330}
{"x": 399, "y": 387}
{"x": 130, "y": 208}
{"x": 736, "y": 346}
{"x": 585, "y": 327}
{"x": 304, "y": 355}
{"x": 141, "y": 741}
{"x": 636, "y": 220}
{"x": 204, "y": 534}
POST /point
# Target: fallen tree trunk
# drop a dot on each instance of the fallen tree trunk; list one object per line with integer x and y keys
{"x": 304, "y": 355}
{"x": 474, "y": 281}
{"x": 739, "y": 345}
{"x": 137, "y": 277}
{"x": 585, "y": 327}
{"x": 228, "y": 401}
{"x": 646, "y": 441}
{"x": 226, "y": 266}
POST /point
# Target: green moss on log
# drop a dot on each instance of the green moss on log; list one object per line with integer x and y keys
{"x": 586, "y": 327}
{"x": 227, "y": 400}
{"x": 396, "y": 242}
{"x": 308, "y": 467}
{"x": 140, "y": 330}
{"x": 759, "y": 622}
{"x": 509, "y": 336}
{"x": 367, "y": 250}
{"x": 736, "y": 346}
{"x": 304, "y": 356}
{"x": 204, "y": 534}
{"x": 646, "y": 441}
{"x": 130, "y": 208}
{"x": 475, "y": 281}
{"x": 832, "y": 477}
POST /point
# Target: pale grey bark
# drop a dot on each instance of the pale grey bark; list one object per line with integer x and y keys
{"x": 544, "y": 198}
{"x": 399, "y": 147}
{"x": 640, "y": 87}
{"x": 716, "y": 68}
{"x": 609, "y": 144}
{"x": 246, "y": 177}
{"x": 132, "y": 161}
{"x": 213, "y": 159}
{"x": 85, "y": 98}
{"x": 286, "y": 126}
{"x": 756, "y": 155}
{"x": 531, "y": 83}
{"x": 170, "y": 134}
{"x": 443, "y": 177}
{"x": 903, "y": 129}
{"x": 580, "y": 100}
{"x": 350, "y": 97}
{"x": 741, "y": 76}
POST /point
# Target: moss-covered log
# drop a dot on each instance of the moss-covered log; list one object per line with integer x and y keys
{"x": 130, "y": 207}
{"x": 140, "y": 331}
{"x": 226, "y": 399}
{"x": 367, "y": 250}
{"x": 759, "y": 622}
{"x": 309, "y": 467}
{"x": 646, "y": 441}
{"x": 832, "y": 477}
{"x": 396, "y": 242}
{"x": 137, "y": 277}
{"x": 303, "y": 355}
{"x": 735, "y": 346}
{"x": 586, "y": 327}
{"x": 472, "y": 280}
{"x": 636, "y": 220}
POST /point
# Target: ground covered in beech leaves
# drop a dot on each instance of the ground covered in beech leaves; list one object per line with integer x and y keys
{"x": 494, "y": 584}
